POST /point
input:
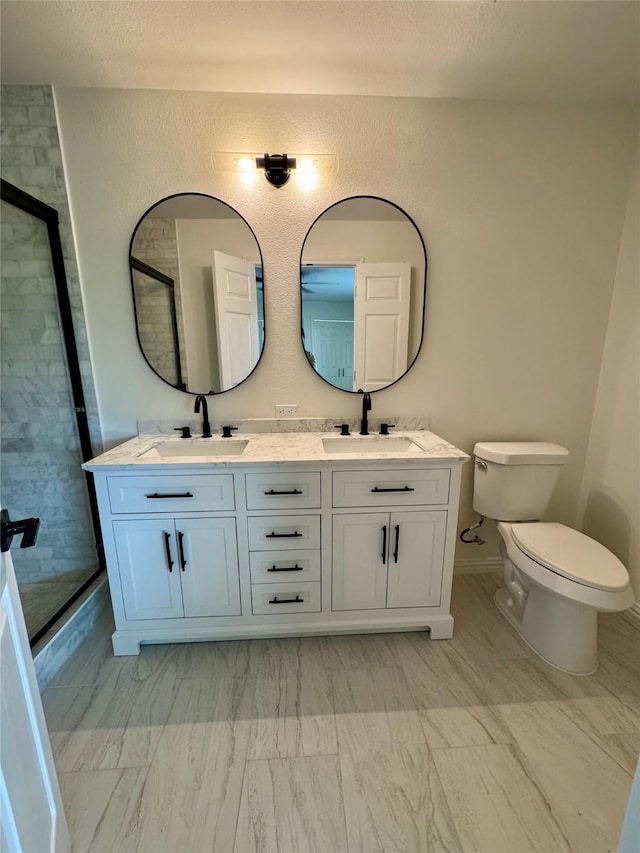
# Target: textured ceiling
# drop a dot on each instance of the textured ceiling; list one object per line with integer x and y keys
{"x": 501, "y": 50}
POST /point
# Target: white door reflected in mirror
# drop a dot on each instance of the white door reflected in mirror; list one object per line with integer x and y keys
{"x": 236, "y": 318}
{"x": 381, "y": 336}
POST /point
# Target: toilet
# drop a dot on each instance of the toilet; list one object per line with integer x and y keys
{"x": 555, "y": 578}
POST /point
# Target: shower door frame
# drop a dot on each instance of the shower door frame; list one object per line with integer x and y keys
{"x": 49, "y": 215}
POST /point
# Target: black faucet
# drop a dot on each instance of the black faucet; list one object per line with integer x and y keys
{"x": 366, "y": 407}
{"x": 206, "y": 426}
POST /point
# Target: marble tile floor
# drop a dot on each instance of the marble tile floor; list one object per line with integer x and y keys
{"x": 388, "y": 742}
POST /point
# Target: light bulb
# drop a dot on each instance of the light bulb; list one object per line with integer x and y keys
{"x": 306, "y": 174}
{"x": 245, "y": 164}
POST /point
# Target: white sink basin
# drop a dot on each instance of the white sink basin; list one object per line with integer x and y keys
{"x": 371, "y": 444}
{"x": 199, "y": 449}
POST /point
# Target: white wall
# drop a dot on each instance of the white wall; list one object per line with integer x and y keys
{"x": 520, "y": 206}
{"x": 610, "y": 500}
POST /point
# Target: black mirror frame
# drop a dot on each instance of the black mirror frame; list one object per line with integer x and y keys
{"x": 132, "y": 259}
{"x": 424, "y": 300}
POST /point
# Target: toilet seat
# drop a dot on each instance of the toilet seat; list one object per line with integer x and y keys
{"x": 569, "y": 553}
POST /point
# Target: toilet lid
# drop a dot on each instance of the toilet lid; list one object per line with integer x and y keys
{"x": 570, "y": 553}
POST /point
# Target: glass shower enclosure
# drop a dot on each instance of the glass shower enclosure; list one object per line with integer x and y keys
{"x": 44, "y": 436}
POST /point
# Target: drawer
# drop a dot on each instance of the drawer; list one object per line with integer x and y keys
{"x": 274, "y": 566}
{"x": 284, "y": 532}
{"x": 274, "y": 598}
{"x": 283, "y": 491}
{"x": 176, "y": 493}
{"x": 391, "y": 488}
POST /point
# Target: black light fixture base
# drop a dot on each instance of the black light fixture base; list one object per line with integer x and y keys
{"x": 277, "y": 168}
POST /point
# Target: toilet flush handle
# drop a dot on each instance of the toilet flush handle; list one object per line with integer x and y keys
{"x": 481, "y": 464}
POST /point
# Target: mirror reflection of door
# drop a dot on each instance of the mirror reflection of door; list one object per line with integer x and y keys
{"x": 383, "y": 293}
{"x": 363, "y": 285}
{"x": 178, "y": 239}
{"x": 236, "y": 316}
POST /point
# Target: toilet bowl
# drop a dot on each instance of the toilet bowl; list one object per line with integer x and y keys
{"x": 556, "y": 579}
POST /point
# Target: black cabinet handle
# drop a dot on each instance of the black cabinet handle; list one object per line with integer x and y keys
{"x": 276, "y": 600}
{"x": 295, "y": 568}
{"x": 398, "y": 489}
{"x": 290, "y": 492}
{"x": 167, "y": 548}
{"x": 384, "y": 545}
{"x": 273, "y": 535}
{"x": 395, "y": 552}
{"x": 170, "y": 495}
{"x": 183, "y": 562}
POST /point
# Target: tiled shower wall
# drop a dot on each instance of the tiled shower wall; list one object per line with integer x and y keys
{"x": 41, "y": 472}
{"x": 40, "y": 457}
{"x": 31, "y": 159}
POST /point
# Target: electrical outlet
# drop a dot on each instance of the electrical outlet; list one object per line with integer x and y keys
{"x": 286, "y": 410}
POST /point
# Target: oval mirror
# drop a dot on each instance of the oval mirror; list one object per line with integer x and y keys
{"x": 196, "y": 273}
{"x": 363, "y": 274}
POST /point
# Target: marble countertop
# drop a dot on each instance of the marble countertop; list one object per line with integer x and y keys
{"x": 271, "y": 448}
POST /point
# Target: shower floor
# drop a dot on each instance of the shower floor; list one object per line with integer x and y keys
{"x": 41, "y": 600}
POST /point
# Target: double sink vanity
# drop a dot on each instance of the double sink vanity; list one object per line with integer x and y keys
{"x": 278, "y": 534}
{"x": 296, "y": 530}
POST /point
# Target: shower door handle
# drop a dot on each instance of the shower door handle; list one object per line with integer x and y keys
{"x": 8, "y": 529}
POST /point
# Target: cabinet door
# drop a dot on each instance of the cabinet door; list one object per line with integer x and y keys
{"x": 359, "y": 567}
{"x": 416, "y": 552}
{"x": 149, "y": 572}
{"x": 208, "y": 563}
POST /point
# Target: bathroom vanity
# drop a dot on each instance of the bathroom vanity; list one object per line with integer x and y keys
{"x": 278, "y": 535}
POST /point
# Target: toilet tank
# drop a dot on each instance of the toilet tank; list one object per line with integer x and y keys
{"x": 514, "y": 480}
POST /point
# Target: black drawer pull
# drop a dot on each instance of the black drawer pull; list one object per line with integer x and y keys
{"x": 384, "y": 545}
{"x": 296, "y": 600}
{"x": 167, "y": 550}
{"x": 395, "y": 553}
{"x": 273, "y": 535}
{"x": 295, "y": 568}
{"x": 170, "y": 495}
{"x": 399, "y": 489}
{"x": 290, "y": 492}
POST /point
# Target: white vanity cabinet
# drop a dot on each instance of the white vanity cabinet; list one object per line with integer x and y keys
{"x": 386, "y": 560}
{"x": 178, "y": 567}
{"x": 307, "y": 544}
{"x": 395, "y": 558}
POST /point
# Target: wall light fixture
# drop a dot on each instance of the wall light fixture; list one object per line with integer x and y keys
{"x": 277, "y": 168}
{"x": 305, "y": 169}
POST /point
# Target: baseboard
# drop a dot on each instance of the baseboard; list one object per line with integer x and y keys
{"x": 58, "y": 644}
{"x": 476, "y": 565}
